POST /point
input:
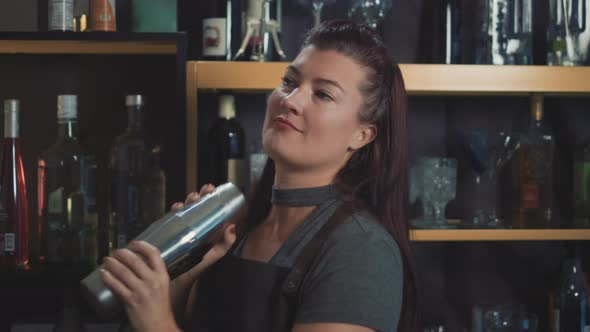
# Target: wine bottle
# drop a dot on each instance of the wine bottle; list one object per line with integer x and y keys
{"x": 582, "y": 187}
{"x": 127, "y": 166}
{"x": 222, "y": 30}
{"x": 532, "y": 167}
{"x": 227, "y": 146}
{"x": 66, "y": 192}
{"x": 14, "y": 221}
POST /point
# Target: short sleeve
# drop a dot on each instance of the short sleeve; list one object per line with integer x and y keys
{"x": 356, "y": 278}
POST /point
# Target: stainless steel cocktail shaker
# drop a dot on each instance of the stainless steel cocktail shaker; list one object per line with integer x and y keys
{"x": 183, "y": 237}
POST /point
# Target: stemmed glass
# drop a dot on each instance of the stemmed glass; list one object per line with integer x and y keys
{"x": 370, "y": 11}
{"x": 487, "y": 155}
{"x": 436, "y": 181}
{"x": 317, "y": 7}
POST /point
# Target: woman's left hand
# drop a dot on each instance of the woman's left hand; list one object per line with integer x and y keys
{"x": 138, "y": 276}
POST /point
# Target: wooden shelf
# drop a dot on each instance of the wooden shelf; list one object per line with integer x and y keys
{"x": 420, "y": 79}
{"x": 99, "y": 43}
{"x": 500, "y": 235}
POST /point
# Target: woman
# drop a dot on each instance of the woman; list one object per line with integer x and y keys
{"x": 325, "y": 245}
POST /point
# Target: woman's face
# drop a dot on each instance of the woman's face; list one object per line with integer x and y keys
{"x": 312, "y": 118}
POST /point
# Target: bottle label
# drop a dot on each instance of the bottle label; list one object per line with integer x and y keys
{"x": 55, "y": 201}
{"x": 103, "y": 15}
{"x": 9, "y": 242}
{"x": 236, "y": 172}
{"x": 529, "y": 196}
{"x": 61, "y": 15}
{"x": 214, "y": 37}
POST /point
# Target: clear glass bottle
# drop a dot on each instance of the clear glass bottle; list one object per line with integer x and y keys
{"x": 154, "y": 188}
{"x": 128, "y": 160}
{"x": 532, "y": 169}
{"x": 14, "y": 221}
{"x": 66, "y": 193}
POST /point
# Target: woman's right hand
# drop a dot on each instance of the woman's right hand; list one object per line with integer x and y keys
{"x": 223, "y": 240}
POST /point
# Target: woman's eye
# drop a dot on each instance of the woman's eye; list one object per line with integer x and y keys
{"x": 287, "y": 82}
{"x": 324, "y": 96}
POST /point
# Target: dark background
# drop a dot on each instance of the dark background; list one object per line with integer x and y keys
{"x": 453, "y": 277}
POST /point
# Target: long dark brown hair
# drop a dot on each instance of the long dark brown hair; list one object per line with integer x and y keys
{"x": 377, "y": 175}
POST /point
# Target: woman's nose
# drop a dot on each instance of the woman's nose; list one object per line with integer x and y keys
{"x": 294, "y": 102}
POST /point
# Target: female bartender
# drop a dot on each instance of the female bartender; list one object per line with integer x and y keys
{"x": 324, "y": 246}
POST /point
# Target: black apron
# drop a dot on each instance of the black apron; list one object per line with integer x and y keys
{"x": 237, "y": 294}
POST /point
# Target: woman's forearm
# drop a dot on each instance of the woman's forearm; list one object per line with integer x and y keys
{"x": 180, "y": 288}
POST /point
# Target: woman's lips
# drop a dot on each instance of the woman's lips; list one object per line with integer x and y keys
{"x": 282, "y": 123}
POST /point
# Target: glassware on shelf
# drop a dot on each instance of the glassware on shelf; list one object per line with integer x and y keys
{"x": 487, "y": 155}
{"x": 260, "y": 28}
{"x": 435, "y": 179}
{"x": 568, "y": 33}
{"x": 371, "y": 12}
{"x": 506, "y": 33}
{"x": 509, "y": 319}
{"x": 582, "y": 187}
{"x": 317, "y": 6}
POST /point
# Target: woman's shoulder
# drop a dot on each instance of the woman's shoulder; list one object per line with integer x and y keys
{"x": 363, "y": 230}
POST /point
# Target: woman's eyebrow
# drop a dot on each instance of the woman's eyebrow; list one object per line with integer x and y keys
{"x": 296, "y": 71}
{"x": 330, "y": 82}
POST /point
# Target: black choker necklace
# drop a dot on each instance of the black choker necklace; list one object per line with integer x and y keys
{"x": 302, "y": 196}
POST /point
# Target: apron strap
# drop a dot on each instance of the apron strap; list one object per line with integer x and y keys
{"x": 293, "y": 281}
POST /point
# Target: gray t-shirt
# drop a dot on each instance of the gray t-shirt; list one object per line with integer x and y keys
{"x": 357, "y": 276}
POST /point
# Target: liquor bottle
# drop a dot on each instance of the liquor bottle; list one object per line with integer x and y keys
{"x": 60, "y": 15}
{"x": 154, "y": 188}
{"x": 227, "y": 146}
{"x": 14, "y": 221}
{"x": 582, "y": 187}
{"x": 103, "y": 15}
{"x": 571, "y": 311}
{"x": 532, "y": 168}
{"x": 222, "y": 30}
{"x": 127, "y": 174}
{"x": 66, "y": 193}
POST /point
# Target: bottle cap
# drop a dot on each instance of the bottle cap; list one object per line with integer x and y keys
{"x": 227, "y": 107}
{"x": 134, "y": 100}
{"x": 11, "y": 110}
{"x": 67, "y": 107}
{"x": 11, "y": 105}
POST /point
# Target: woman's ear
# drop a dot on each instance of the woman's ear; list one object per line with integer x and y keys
{"x": 364, "y": 135}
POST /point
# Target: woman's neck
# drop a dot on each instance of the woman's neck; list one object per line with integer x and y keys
{"x": 294, "y": 179}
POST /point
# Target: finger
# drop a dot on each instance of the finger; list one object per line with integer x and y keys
{"x": 134, "y": 262}
{"x": 150, "y": 253}
{"x": 206, "y": 189}
{"x": 121, "y": 272}
{"x": 115, "y": 285}
{"x": 192, "y": 198}
{"x": 176, "y": 206}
